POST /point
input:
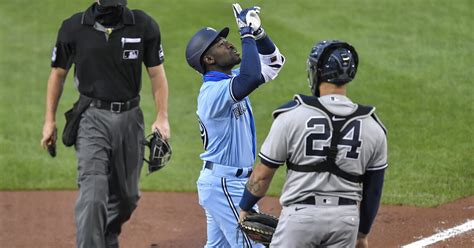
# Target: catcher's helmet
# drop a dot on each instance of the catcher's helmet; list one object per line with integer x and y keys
{"x": 112, "y": 3}
{"x": 331, "y": 61}
{"x": 199, "y": 43}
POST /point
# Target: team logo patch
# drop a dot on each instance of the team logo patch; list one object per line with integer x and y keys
{"x": 130, "y": 54}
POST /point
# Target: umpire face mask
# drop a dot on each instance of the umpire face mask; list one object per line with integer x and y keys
{"x": 108, "y": 13}
{"x": 112, "y": 3}
{"x": 108, "y": 16}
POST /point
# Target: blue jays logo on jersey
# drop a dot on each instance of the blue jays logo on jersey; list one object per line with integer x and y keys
{"x": 204, "y": 136}
{"x": 239, "y": 109}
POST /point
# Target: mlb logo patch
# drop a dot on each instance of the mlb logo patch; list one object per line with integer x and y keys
{"x": 130, "y": 54}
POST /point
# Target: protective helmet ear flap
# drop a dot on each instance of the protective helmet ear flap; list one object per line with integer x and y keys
{"x": 311, "y": 69}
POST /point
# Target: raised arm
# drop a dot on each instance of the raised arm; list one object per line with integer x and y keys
{"x": 254, "y": 71}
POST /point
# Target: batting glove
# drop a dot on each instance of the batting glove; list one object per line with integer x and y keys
{"x": 247, "y": 20}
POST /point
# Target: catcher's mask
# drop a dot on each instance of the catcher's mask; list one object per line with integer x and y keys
{"x": 331, "y": 61}
{"x": 112, "y": 3}
{"x": 160, "y": 152}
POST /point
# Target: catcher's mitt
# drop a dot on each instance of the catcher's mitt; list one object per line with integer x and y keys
{"x": 160, "y": 152}
{"x": 259, "y": 227}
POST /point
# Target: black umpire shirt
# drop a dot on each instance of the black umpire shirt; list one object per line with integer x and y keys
{"x": 108, "y": 62}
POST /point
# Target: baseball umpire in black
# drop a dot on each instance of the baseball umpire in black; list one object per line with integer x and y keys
{"x": 107, "y": 44}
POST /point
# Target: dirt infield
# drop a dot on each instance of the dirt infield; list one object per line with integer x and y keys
{"x": 45, "y": 219}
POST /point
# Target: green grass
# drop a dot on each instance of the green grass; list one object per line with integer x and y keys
{"x": 415, "y": 67}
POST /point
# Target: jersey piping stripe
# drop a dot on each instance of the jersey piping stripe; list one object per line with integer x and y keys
{"x": 232, "y": 207}
{"x": 230, "y": 89}
{"x": 376, "y": 118}
{"x": 378, "y": 167}
{"x": 292, "y": 105}
{"x": 272, "y": 161}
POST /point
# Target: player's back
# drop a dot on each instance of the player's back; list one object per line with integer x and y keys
{"x": 308, "y": 136}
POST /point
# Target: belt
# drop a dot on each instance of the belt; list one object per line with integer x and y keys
{"x": 115, "y": 107}
{"x": 239, "y": 172}
{"x": 322, "y": 200}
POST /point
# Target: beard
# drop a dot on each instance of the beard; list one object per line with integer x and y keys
{"x": 229, "y": 64}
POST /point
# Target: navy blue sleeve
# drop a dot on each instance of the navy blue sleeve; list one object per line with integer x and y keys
{"x": 250, "y": 76}
{"x": 372, "y": 192}
{"x": 265, "y": 46}
{"x": 248, "y": 200}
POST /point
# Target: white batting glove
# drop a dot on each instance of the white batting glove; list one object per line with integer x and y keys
{"x": 247, "y": 20}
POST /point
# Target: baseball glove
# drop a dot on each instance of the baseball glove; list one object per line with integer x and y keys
{"x": 259, "y": 227}
{"x": 160, "y": 152}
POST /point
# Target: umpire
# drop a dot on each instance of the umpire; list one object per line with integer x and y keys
{"x": 107, "y": 44}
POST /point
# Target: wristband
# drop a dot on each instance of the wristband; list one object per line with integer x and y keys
{"x": 259, "y": 34}
{"x": 248, "y": 200}
{"x": 246, "y": 32}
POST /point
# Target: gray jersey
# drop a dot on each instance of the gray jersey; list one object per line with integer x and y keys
{"x": 301, "y": 132}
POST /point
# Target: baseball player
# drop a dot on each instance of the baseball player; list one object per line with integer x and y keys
{"x": 336, "y": 155}
{"x": 107, "y": 44}
{"x": 226, "y": 120}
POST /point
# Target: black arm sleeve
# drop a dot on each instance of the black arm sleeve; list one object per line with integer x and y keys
{"x": 250, "y": 76}
{"x": 265, "y": 45}
{"x": 372, "y": 192}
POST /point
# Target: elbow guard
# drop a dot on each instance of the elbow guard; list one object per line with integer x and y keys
{"x": 271, "y": 64}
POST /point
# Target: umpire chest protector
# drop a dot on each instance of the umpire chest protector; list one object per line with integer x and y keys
{"x": 338, "y": 123}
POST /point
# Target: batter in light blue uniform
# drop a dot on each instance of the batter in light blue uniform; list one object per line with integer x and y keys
{"x": 226, "y": 120}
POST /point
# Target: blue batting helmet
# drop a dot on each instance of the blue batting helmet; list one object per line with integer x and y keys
{"x": 199, "y": 43}
{"x": 331, "y": 61}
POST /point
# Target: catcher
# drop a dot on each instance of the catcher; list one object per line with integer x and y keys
{"x": 336, "y": 154}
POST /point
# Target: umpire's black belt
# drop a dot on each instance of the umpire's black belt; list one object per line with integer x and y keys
{"x": 222, "y": 170}
{"x": 116, "y": 107}
{"x": 323, "y": 200}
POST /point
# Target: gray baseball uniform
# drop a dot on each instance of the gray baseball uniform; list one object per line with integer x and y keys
{"x": 301, "y": 135}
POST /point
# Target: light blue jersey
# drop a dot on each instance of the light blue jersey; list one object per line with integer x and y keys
{"x": 228, "y": 133}
{"x": 229, "y": 138}
{"x": 227, "y": 126}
